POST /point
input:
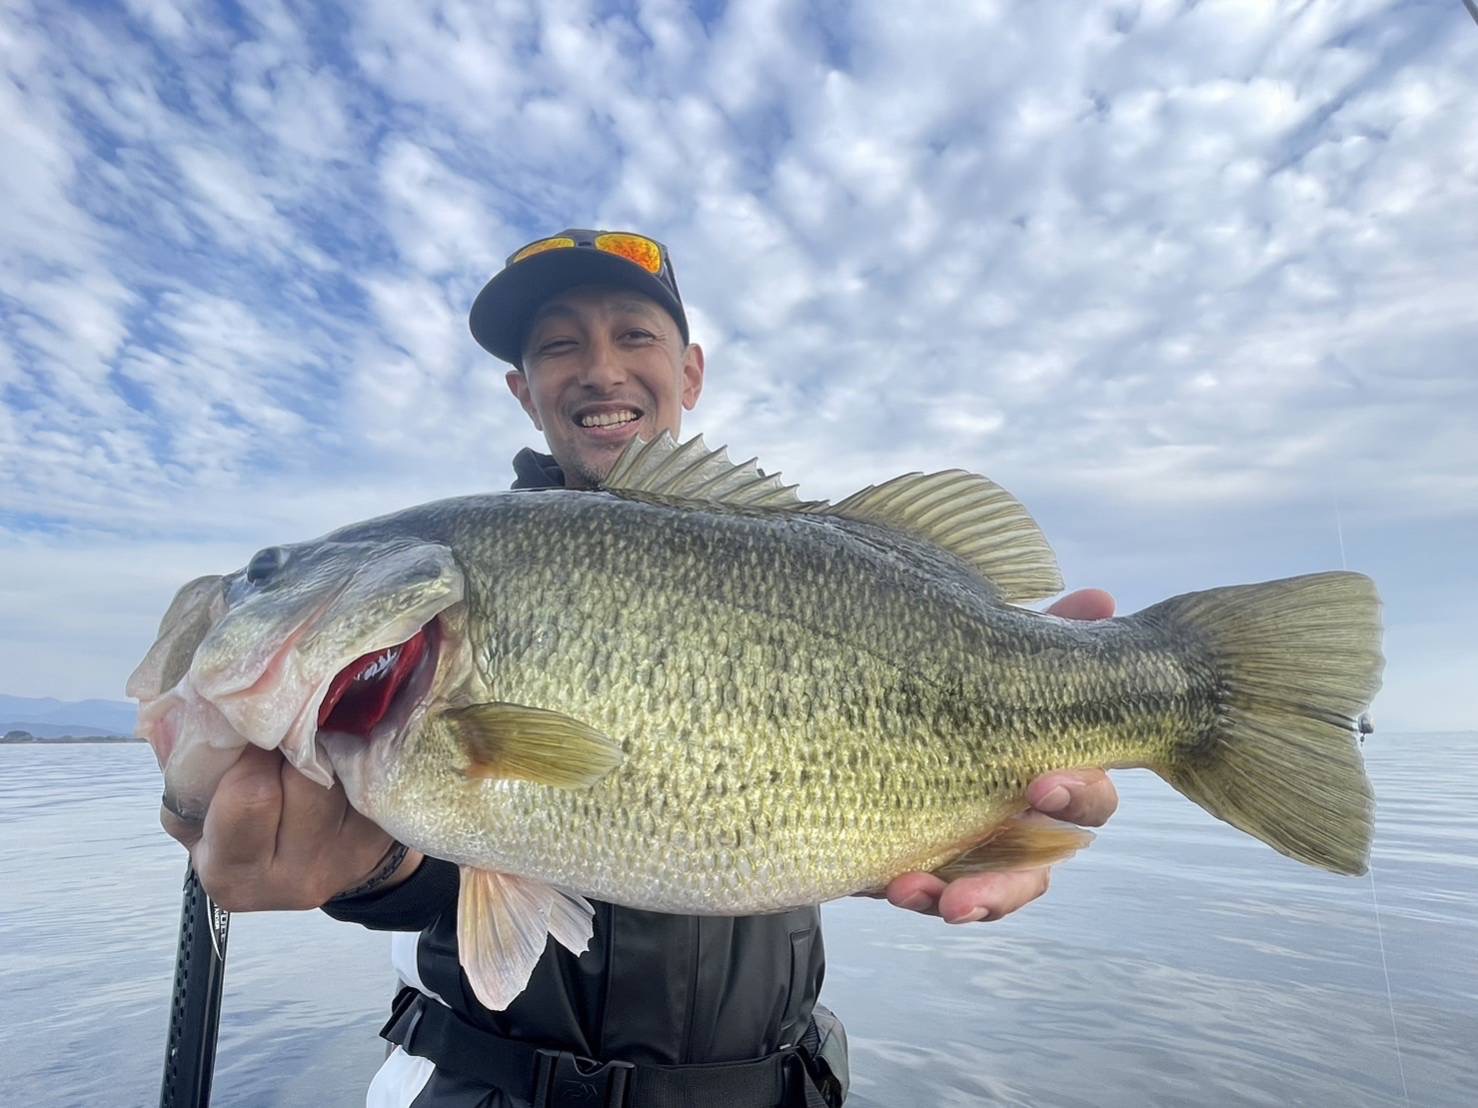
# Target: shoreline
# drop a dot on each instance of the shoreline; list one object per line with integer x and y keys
{"x": 25, "y": 739}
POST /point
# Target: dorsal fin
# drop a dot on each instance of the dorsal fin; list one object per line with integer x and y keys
{"x": 971, "y": 517}
{"x": 692, "y": 472}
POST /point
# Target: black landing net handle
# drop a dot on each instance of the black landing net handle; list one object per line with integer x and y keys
{"x": 195, "y": 1012}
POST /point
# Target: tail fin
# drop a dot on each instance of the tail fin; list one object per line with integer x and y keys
{"x": 1296, "y": 662}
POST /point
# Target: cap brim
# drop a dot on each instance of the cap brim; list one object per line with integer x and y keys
{"x": 501, "y": 312}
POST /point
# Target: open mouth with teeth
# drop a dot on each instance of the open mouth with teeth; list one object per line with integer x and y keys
{"x": 607, "y": 420}
{"x": 380, "y": 685}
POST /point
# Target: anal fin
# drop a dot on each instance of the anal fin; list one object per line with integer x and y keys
{"x": 503, "y": 925}
{"x": 1019, "y": 843}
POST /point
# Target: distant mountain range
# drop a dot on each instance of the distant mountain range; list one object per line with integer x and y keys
{"x": 48, "y": 718}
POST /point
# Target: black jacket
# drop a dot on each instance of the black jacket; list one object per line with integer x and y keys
{"x": 653, "y": 988}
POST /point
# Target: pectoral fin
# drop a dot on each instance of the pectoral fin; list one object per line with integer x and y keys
{"x": 503, "y": 925}
{"x": 1019, "y": 843}
{"x": 532, "y": 744}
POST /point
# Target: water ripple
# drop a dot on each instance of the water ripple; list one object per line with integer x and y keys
{"x": 1176, "y": 961}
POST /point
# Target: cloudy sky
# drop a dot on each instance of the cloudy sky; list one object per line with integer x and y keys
{"x": 1198, "y": 281}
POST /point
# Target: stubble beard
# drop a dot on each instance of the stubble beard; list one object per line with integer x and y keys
{"x": 587, "y": 476}
{"x": 588, "y": 469}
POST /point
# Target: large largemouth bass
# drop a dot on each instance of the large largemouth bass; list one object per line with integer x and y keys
{"x": 693, "y": 692}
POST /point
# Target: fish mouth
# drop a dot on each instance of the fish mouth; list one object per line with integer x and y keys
{"x": 381, "y": 687}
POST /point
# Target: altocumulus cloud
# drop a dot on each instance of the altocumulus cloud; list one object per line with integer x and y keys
{"x": 1195, "y": 280}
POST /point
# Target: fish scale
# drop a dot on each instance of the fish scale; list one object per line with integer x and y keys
{"x": 893, "y": 708}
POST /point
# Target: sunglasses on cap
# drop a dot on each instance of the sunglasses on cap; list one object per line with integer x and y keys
{"x": 574, "y": 256}
{"x": 650, "y": 254}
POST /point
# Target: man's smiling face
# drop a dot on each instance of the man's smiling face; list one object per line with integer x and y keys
{"x": 601, "y": 366}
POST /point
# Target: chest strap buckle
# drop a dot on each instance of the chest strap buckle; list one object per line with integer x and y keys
{"x": 562, "y": 1080}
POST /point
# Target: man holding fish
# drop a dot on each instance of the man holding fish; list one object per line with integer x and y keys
{"x": 599, "y": 345}
{"x": 670, "y": 1006}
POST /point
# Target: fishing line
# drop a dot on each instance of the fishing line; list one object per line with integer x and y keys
{"x": 1374, "y": 900}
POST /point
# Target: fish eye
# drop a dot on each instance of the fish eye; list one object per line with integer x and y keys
{"x": 264, "y": 564}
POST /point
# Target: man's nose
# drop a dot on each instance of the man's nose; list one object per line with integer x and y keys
{"x": 604, "y": 366}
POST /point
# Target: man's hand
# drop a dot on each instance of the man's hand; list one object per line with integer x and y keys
{"x": 274, "y": 839}
{"x": 1084, "y": 797}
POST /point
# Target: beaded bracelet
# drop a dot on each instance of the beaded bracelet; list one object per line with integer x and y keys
{"x": 383, "y": 872}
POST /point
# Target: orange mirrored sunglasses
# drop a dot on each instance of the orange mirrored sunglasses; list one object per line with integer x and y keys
{"x": 645, "y": 252}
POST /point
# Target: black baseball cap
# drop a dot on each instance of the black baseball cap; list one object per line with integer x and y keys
{"x": 500, "y": 315}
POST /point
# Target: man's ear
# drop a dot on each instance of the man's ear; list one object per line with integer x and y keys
{"x": 518, "y": 385}
{"x": 692, "y": 375}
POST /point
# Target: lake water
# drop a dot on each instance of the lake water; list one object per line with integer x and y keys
{"x": 1176, "y": 961}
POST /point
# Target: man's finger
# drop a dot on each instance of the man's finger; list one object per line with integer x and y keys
{"x": 310, "y": 813}
{"x": 918, "y": 892}
{"x": 241, "y": 823}
{"x": 990, "y": 896}
{"x": 184, "y": 831}
{"x": 1084, "y": 604}
{"x": 1086, "y": 797}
